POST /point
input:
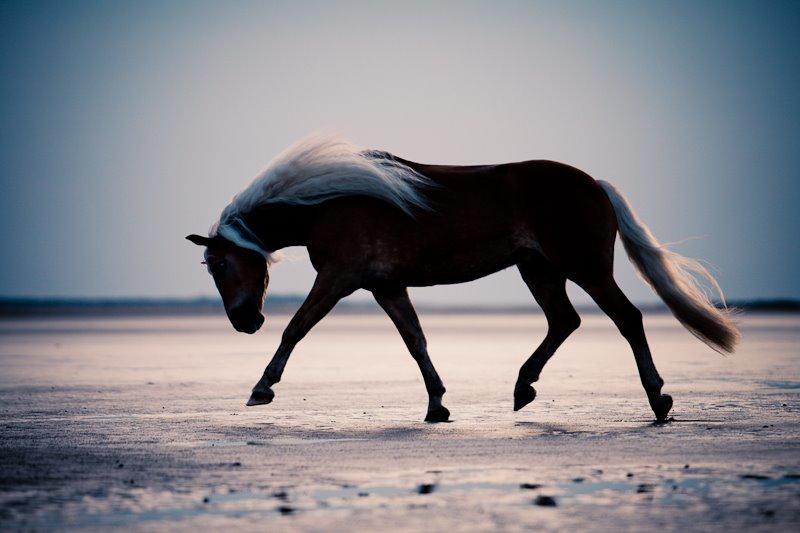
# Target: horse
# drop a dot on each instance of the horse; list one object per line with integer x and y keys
{"x": 372, "y": 220}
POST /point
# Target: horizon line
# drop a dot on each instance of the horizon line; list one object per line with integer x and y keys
{"x": 22, "y": 306}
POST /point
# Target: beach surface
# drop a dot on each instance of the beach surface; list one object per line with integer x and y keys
{"x": 140, "y": 424}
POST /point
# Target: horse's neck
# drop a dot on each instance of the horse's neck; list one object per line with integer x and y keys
{"x": 279, "y": 226}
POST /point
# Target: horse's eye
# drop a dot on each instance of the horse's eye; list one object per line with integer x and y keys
{"x": 219, "y": 267}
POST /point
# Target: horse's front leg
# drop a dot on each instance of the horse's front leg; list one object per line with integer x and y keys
{"x": 398, "y": 306}
{"x": 325, "y": 293}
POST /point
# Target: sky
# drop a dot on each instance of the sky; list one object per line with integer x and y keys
{"x": 125, "y": 126}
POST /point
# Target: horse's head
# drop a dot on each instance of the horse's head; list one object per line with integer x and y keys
{"x": 241, "y": 277}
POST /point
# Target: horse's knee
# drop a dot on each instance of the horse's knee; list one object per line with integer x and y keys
{"x": 289, "y": 337}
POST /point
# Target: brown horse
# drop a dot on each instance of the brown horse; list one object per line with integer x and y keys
{"x": 373, "y": 221}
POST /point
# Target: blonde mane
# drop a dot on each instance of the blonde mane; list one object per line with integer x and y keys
{"x": 316, "y": 169}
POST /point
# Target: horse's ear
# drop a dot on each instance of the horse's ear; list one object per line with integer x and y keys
{"x": 199, "y": 240}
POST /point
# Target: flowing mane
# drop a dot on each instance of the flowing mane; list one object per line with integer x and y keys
{"x": 316, "y": 169}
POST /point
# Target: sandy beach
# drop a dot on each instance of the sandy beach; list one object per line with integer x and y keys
{"x": 140, "y": 423}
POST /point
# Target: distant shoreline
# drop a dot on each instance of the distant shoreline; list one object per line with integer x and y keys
{"x": 280, "y": 304}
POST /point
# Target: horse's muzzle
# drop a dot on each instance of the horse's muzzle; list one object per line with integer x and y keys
{"x": 246, "y": 320}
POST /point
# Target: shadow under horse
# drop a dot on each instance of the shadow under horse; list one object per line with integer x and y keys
{"x": 371, "y": 220}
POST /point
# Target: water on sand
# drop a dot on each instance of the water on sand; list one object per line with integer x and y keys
{"x": 140, "y": 423}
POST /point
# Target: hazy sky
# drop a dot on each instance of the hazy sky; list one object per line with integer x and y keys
{"x": 125, "y": 126}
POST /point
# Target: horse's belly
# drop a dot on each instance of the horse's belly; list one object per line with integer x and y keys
{"x": 448, "y": 265}
{"x": 455, "y": 275}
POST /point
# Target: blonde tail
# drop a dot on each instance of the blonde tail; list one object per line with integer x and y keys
{"x": 674, "y": 278}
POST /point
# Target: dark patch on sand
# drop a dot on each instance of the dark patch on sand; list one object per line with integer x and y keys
{"x": 426, "y": 488}
{"x": 545, "y": 501}
{"x": 760, "y": 477}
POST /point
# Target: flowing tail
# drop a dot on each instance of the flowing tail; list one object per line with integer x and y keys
{"x": 674, "y": 278}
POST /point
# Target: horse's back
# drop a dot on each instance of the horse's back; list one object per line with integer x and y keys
{"x": 541, "y": 194}
{"x": 552, "y": 208}
{"x": 534, "y": 182}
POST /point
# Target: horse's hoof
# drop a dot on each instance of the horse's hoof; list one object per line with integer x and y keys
{"x": 523, "y": 395}
{"x": 260, "y": 396}
{"x": 440, "y": 414}
{"x": 661, "y": 406}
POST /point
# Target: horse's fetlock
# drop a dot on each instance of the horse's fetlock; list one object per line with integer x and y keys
{"x": 527, "y": 375}
{"x": 653, "y": 386}
{"x": 271, "y": 379}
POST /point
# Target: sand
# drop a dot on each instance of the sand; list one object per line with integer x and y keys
{"x": 140, "y": 423}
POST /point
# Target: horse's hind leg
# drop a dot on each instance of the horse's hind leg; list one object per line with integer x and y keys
{"x": 549, "y": 289}
{"x": 628, "y": 320}
{"x": 399, "y": 308}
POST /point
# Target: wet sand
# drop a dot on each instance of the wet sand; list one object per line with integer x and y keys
{"x": 140, "y": 423}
